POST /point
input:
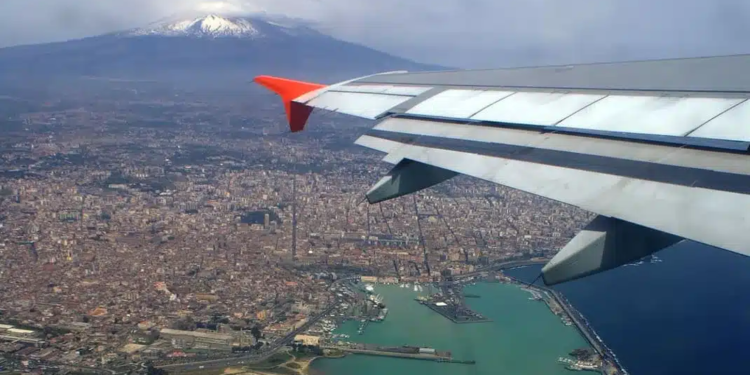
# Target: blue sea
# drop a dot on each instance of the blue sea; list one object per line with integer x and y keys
{"x": 689, "y": 314}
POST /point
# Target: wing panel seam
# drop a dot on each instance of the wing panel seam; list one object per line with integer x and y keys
{"x": 715, "y": 117}
{"x": 581, "y": 109}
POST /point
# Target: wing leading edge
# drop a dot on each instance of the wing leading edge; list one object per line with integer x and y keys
{"x": 660, "y": 162}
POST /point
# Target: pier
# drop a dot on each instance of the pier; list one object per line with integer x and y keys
{"x": 363, "y": 326}
{"x": 450, "y": 303}
{"x": 407, "y": 352}
{"x": 455, "y": 313}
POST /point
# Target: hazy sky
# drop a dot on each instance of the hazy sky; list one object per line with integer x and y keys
{"x": 462, "y": 33}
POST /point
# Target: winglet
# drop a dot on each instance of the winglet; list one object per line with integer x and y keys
{"x": 296, "y": 113}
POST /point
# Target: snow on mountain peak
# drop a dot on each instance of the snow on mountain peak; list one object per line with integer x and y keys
{"x": 211, "y": 25}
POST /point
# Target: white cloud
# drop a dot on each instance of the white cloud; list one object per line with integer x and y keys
{"x": 455, "y": 32}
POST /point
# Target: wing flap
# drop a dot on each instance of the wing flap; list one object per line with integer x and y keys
{"x": 499, "y": 141}
{"x": 671, "y": 189}
{"x": 676, "y": 209}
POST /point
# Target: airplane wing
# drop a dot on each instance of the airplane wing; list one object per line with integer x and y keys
{"x": 658, "y": 149}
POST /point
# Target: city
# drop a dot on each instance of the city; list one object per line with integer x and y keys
{"x": 133, "y": 221}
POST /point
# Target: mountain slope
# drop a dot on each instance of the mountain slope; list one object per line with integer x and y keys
{"x": 203, "y": 48}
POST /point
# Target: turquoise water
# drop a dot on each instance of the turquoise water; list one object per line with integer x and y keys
{"x": 524, "y": 337}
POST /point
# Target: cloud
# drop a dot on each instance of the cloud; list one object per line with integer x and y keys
{"x": 466, "y": 33}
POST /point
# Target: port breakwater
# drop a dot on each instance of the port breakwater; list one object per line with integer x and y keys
{"x": 398, "y": 354}
{"x": 578, "y": 321}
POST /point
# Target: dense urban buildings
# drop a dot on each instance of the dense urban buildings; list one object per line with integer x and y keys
{"x": 143, "y": 223}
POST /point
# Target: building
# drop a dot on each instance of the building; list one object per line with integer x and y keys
{"x": 369, "y": 279}
{"x": 17, "y": 332}
{"x": 206, "y": 298}
{"x": 197, "y": 340}
{"x": 308, "y": 340}
{"x": 12, "y": 334}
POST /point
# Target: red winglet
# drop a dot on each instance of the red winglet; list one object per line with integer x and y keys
{"x": 296, "y": 113}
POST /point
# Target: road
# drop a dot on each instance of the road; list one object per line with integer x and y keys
{"x": 258, "y": 357}
{"x": 90, "y": 370}
{"x": 500, "y": 266}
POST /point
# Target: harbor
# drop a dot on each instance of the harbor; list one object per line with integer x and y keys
{"x": 448, "y": 300}
{"x": 508, "y": 343}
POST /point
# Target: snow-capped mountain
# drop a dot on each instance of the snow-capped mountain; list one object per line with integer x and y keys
{"x": 211, "y": 26}
{"x": 204, "y": 47}
{"x": 216, "y": 26}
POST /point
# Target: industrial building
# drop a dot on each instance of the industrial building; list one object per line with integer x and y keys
{"x": 197, "y": 340}
{"x": 10, "y": 333}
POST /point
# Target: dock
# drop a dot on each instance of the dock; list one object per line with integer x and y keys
{"x": 362, "y": 326}
{"x": 454, "y": 313}
{"x": 450, "y": 303}
{"x": 423, "y": 354}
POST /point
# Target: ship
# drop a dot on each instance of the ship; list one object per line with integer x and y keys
{"x": 576, "y": 365}
{"x": 647, "y": 259}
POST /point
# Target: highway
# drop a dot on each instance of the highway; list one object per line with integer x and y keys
{"x": 258, "y": 357}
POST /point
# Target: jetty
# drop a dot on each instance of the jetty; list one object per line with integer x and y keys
{"x": 407, "y": 352}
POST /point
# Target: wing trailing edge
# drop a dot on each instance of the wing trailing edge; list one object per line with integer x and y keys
{"x": 288, "y": 89}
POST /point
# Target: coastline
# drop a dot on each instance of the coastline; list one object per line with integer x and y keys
{"x": 580, "y": 323}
